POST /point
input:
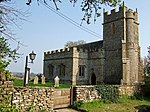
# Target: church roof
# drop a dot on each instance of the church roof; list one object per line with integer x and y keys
{"x": 96, "y": 44}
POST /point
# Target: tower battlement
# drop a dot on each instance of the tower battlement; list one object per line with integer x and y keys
{"x": 114, "y": 14}
{"x": 123, "y": 12}
{"x": 130, "y": 14}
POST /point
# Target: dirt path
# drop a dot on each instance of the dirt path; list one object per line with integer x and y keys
{"x": 66, "y": 110}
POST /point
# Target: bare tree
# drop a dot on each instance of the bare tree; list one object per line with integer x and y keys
{"x": 147, "y": 63}
{"x": 75, "y": 43}
{"x": 89, "y": 7}
{"x": 9, "y": 16}
{"x": 148, "y": 56}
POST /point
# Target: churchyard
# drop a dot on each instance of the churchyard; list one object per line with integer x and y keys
{"x": 46, "y": 96}
{"x": 124, "y": 103}
{"x": 47, "y": 84}
{"x": 101, "y": 76}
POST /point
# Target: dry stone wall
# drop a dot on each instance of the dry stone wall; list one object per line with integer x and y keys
{"x": 89, "y": 93}
{"x": 33, "y": 97}
{"x": 25, "y": 98}
{"x": 39, "y": 98}
{"x": 129, "y": 90}
{"x": 85, "y": 93}
{"x": 6, "y": 89}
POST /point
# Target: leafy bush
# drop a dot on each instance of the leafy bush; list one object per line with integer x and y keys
{"x": 6, "y": 106}
{"x": 77, "y": 104}
{"x": 137, "y": 96}
{"x": 146, "y": 87}
{"x": 108, "y": 93}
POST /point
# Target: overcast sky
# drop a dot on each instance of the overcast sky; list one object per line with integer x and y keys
{"x": 45, "y": 30}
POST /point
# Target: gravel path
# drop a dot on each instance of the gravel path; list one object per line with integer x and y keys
{"x": 66, "y": 110}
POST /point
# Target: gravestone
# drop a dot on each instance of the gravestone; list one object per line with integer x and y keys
{"x": 56, "y": 81}
{"x": 122, "y": 82}
{"x": 36, "y": 80}
{"x": 43, "y": 79}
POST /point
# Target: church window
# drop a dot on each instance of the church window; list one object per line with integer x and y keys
{"x": 81, "y": 70}
{"x": 62, "y": 70}
{"x": 51, "y": 69}
{"x": 113, "y": 28}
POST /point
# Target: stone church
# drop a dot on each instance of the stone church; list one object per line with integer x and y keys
{"x": 114, "y": 60}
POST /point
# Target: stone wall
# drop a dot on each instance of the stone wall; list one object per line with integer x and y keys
{"x": 89, "y": 93}
{"x": 129, "y": 90}
{"x": 26, "y": 98}
{"x": 33, "y": 97}
{"x": 85, "y": 93}
{"x": 6, "y": 89}
{"x": 39, "y": 98}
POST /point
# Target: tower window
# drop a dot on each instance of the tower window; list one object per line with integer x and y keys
{"x": 113, "y": 28}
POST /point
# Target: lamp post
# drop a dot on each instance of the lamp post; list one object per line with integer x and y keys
{"x": 26, "y": 76}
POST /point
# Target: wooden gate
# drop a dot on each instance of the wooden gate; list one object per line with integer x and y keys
{"x": 62, "y": 98}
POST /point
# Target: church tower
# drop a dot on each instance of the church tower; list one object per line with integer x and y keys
{"x": 121, "y": 46}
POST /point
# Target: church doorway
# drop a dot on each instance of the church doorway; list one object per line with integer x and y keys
{"x": 93, "y": 79}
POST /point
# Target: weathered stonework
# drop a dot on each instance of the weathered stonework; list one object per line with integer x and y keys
{"x": 49, "y": 98}
{"x": 129, "y": 90}
{"x": 6, "y": 89}
{"x": 89, "y": 93}
{"x": 122, "y": 50}
{"x": 85, "y": 93}
{"x": 87, "y": 55}
{"x": 114, "y": 60}
{"x": 37, "y": 97}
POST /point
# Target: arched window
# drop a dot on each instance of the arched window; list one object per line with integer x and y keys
{"x": 81, "y": 70}
{"x": 61, "y": 69}
{"x": 51, "y": 69}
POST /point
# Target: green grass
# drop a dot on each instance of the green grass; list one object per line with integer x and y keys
{"x": 18, "y": 82}
{"x": 47, "y": 84}
{"x": 124, "y": 105}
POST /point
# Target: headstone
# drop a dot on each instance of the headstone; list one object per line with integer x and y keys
{"x": 43, "y": 79}
{"x": 56, "y": 81}
{"x": 122, "y": 82}
{"x": 36, "y": 80}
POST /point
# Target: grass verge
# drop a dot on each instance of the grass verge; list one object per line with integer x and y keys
{"x": 124, "y": 105}
{"x": 47, "y": 84}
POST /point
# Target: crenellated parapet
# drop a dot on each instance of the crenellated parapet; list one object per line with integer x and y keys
{"x": 130, "y": 14}
{"x": 122, "y": 13}
{"x": 114, "y": 15}
{"x": 82, "y": 50}
{"x": 65, "y": 50}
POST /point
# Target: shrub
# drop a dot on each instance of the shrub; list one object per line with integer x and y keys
{"x": 108, "y": 93}
{"x": 6, "y": 105}
{"x": 77, "y": 104}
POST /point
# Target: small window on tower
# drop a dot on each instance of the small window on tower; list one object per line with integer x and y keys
{"x": 113, "y": 28}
